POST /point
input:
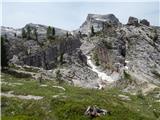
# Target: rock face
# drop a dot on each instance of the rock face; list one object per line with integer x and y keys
{"x": 133, "y": 21}
{"x": 98, "y": 21}
{"x": 42, "y": 52}
{"x": 129, "y": 54}
{"x": 145, "y": 22}
{"x": 133, "y": 48}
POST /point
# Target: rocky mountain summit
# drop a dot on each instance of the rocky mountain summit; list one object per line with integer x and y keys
{"x": 98, "y": 22}
{"x": 103, "y": 52}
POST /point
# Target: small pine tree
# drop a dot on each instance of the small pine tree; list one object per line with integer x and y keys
{"x": 23, "y": 33}
{"x": 53, "y": 31}
{"x": 35, "y": 34}
{"x": 28, "y": 32}
{"x": 92, "y": 30}
{"x": 49, "y": 31}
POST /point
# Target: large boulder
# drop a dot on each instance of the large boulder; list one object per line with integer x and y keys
{"x": 145, "y": 22}
{"x": 94, "y": 111}
{"x": 132, "y": 21}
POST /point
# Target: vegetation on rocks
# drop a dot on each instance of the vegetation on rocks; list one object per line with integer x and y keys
{"x": 92, "y": 30}
{"x": 96, "y": 59}
{"x": 28, "y": 32}
{"x": 50, "y": 32}
{"x": 35, "y": 33}
{"x": 4, "y": 60}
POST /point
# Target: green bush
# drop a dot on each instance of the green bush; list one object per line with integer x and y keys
{"x": 96, "y": 59}
{"x": 50, "y": 32}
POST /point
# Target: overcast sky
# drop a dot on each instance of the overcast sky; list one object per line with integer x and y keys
{"x": 70, "y": 15}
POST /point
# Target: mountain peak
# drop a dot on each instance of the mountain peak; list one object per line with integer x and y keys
{"x": 102, "y": 17}
{"x": 97, "y": 20}
{"x": 34, "y": 25}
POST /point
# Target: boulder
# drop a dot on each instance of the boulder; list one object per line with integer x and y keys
{"x": 94, "y": 111}
{"x": 145, "y": 22}
{"x": 132, "y": 21}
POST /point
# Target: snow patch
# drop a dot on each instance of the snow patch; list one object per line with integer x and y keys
{"x": 101, "y": 75}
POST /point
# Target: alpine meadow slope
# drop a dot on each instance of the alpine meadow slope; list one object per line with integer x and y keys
{"x": 50, "y": 73}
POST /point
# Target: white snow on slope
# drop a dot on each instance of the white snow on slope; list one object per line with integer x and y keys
{"x": 101, "y": 75}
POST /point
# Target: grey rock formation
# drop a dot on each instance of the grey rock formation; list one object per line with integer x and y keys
{"x": 42, "y": 52}
{"x": 42, "y": 29}
{"x": 133, "y": 21}
{"x": 98, "y": 21}
{"x": 128, "y": 53}
{"x": 145, "y": 22}
{"x": 133, "y": 48}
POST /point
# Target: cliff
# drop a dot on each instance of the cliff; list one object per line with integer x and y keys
{"x": 128, "y": 53}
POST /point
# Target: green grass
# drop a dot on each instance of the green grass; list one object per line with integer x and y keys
{"x": 127, "y": 76}
{"x": 72, "y": 104}
{"x": 28, "y": 86}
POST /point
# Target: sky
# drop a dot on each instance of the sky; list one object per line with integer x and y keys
{"x": 71, "y": 14}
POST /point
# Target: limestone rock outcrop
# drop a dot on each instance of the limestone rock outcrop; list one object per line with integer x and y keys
{"x": 129, "y": 54}
{"x": 40, "y": 52}
{"x": 145, "y": 22}
{"x": 133, "y": 21}
{"x": 97, "y": 22}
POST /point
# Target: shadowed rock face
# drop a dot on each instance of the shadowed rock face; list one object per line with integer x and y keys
{"x": 145, "y": 22}
{"x": 41, "y": 52}
{"x": 48, "y": 57}
{"x": 133, "y": 48}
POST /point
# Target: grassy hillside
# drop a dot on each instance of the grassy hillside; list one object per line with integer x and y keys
{"x": 71, "y": 103}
